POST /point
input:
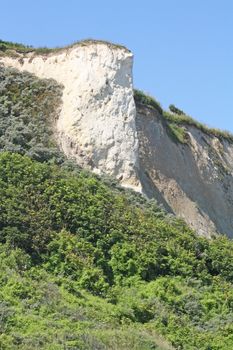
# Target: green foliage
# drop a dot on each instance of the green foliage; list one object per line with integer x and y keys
{"x": 85, "y": 264}
{"x": 142, "y": 98}
{"x": 28, "y": 109}
{"x": 177, "y": 121}
{"x": 38, "y": 310}
{"x": 179, "y": 133}
{"x": 14, "y": 49}
{"x": 83, "y": 267}
{"x": 73, "y": 257}
{"x": 7, "y": 45}
{"x": 183, "y": 120}
{"x": 176, "y": 110}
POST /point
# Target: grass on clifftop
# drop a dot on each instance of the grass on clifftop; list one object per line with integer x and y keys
{"x": 10, "y": 48}
{"x": 144, "y": 99}
{"x": 177, "y": 122}
{"x": 184, "y": 119}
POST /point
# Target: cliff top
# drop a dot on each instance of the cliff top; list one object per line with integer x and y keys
{"x": 10, "y": 48}
{"x": 178, "y": 120}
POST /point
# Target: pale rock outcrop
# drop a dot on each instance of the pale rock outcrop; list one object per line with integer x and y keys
{"x": 97, "y": 121}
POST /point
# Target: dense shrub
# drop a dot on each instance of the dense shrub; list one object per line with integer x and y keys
{"x": 74, "y": 233}
{"x": 28, "y": 109}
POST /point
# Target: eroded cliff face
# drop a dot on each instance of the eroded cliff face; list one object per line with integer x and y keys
{"x": 193, "y": 180}
{"x": 96, "y": 125}
{"x": 100, "y": 126}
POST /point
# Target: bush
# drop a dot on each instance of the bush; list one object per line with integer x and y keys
{"x": 176, "y": 110}
{"x": 142, "y": 98}
{"x": 28, "y": 110}
{"x": 65, "y": 234}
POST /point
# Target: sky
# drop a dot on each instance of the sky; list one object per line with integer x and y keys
{"x": 183, "y": 49}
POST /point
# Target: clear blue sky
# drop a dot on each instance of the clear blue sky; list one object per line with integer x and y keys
{"x": 183, "y": 48}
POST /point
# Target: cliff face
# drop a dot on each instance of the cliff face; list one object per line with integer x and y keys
{"x": 97, "y": 121}
{"x": 100, "y": 126}
{"x": 193, "y": 180}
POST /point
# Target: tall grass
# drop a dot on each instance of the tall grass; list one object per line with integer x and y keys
{"x": 178, "y": 122}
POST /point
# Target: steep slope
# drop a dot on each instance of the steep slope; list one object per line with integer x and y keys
{"x": 29, "y": 108}
{"x": 41, "y": 311}
{"x": 194, "y": 179}
{"x": 97, "y": 120}
{"x": 183, "y": 165}
{"x": 82, "y": 267}
{"x": 86, "y": 265}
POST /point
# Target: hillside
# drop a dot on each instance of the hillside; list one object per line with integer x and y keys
{"x": 110, "y": 129}
{"x": 84, "y": 267}
{"x": 87, "y": 263}
{"x": 187, "y": 167}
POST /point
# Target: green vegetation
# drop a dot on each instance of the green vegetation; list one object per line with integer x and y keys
{"x": 179, "y": 133}
{"x": 28, "y": 109}
{"x": 12, "y": 49}
{"x": 177, "y": 121}
{"x": 185, "y": 120}
{"x": 7, "y": 45}
{"x": 82, "y": 267}
{"x": 142, "y": 98}
{"x": 41, "y": 311}
{"x": 85, "y": 264}
{"x": 176, "y": 110}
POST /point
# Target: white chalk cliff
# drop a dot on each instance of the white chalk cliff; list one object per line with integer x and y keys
{"x": 97, "y": 119}
{"x": 101, "y": 127}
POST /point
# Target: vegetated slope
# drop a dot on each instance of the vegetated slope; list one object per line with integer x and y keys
{"x": 42, "y": 311}
{"x": 96, "y": 123}
{"x": 28, "y": 109}
{"x": 169, "y": 156}
{"x": 82, "y": 265}
{"x": 66, "y": 236}
{"x": 186, "y": 166}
